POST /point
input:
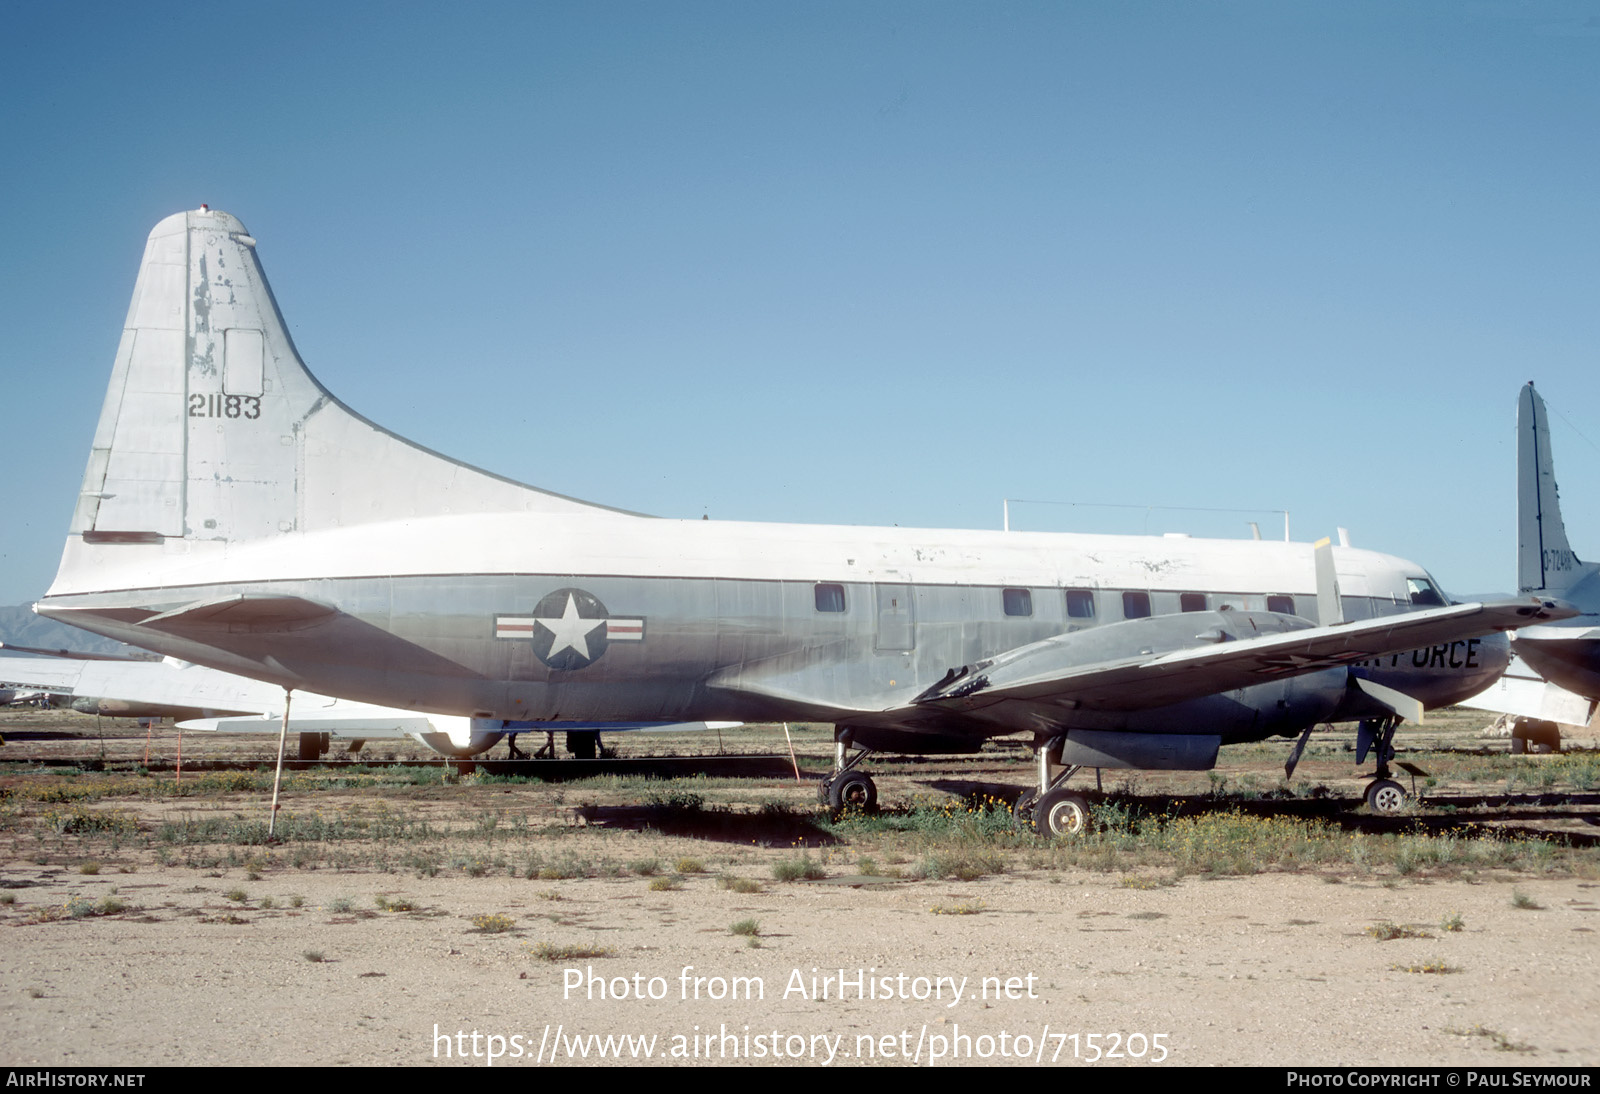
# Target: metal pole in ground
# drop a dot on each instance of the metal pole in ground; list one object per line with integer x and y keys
{"x": 277, "y": 777}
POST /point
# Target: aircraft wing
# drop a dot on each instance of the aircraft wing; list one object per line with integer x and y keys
{"x": 341, "y": 719}
{"x": 152, "y": 683}
{"x": 56, "y": 674}
{"x": 1219, "y": 659}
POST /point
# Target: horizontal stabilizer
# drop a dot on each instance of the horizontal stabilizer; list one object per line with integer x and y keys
{"x": 247, "y": 612}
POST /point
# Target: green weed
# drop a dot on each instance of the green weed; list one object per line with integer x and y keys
{"x": 1387, "y": 932}
{"x": 549, "y": 951}
{"x": 965, "y": 907}
{"x": 803, "y": 868}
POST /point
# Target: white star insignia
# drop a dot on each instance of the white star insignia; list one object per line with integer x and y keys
{"x": 571, "y": 631}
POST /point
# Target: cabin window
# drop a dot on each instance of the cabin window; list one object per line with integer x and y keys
{"x": 1080, "y": 603}
{"x": 1283, "y": 605}
{"x": 1135, "y": 605}
{"x": 1423, "y": 593}
{"x": 830, "y": 598}
{"x": 1017, "y": 601}
{"x": 1192, "y": 602}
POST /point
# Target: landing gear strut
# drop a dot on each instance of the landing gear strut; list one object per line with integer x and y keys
{"x": 1384, "y": 795}
{"x": 584, "y": 744}
{"x": 1050, "y": 808}
{"x": 847, "y": 788}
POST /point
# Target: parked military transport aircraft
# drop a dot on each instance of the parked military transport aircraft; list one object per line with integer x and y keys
{"x": 207, "y": 699}
{"x": 1537, "y": 707}
{"x": 1565, "y": 654}
{"x": 235, "y": 514}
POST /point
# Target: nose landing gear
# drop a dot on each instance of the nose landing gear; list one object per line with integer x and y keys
{"x": 1384, "y": 796}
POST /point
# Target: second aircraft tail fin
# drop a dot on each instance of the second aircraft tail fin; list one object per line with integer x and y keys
{"x": 1545, "y": 561}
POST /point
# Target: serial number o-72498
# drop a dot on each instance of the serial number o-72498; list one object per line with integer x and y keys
{"x": 225, "y": 406}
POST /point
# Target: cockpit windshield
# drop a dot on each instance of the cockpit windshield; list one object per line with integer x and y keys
{"x": 1424, "y": 593}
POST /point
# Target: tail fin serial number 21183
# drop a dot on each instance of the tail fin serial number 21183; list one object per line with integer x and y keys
{"x": 225, "y": 406}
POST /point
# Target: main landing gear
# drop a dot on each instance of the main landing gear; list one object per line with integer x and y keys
{"x": 1384, "y": 795}
{"x": 1050, "y": 808}
{"x": 847, "y": 788}
{"x": 1534, "y": 735}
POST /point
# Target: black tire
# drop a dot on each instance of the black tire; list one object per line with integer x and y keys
{"x": 854, "y": 790}
{"x": 1061, "y": 814}
{"x": 582, "y": 743}
{"x": 1022, "y": 810}
{"x": 1544, "y": 737}
{"x": 1386, "y": 797}
{"x": 1535, "y": 735}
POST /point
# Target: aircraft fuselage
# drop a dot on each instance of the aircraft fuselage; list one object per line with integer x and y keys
{"x": 716, "y": 621}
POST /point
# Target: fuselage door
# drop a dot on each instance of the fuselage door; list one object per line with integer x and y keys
{"x": 896, "y": 618}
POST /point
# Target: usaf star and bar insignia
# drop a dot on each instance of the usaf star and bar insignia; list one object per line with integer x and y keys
{"x": 569, "y": 629}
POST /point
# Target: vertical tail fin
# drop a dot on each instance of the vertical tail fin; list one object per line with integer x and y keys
{"x": 1545, "y": 562}
{"x": 214, "y": 430}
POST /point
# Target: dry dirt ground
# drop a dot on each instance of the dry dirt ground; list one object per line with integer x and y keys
{"x": 336, "y": 954}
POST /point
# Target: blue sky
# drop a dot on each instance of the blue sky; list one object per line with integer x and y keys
{"x": 867, "y": 263}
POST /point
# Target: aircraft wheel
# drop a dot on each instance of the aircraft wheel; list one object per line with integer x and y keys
{"x": 1535, "y": 735}
{"x": 854, "y": 791}
{"x": 581, "y": 743}
{"x": 1544, "y": 737}
{"x": 1061, "y": 813}
{"x": 1386, "y": 796}
{"x": 1022, "y": 810}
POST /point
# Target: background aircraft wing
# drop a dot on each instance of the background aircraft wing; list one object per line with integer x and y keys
{"x": 152, "y": 683}
{"x": 54, "y": 674}
{"x": 1523, "y": 693}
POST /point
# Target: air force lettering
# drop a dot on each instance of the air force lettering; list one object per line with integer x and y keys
{"x": 569, "y": 629}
